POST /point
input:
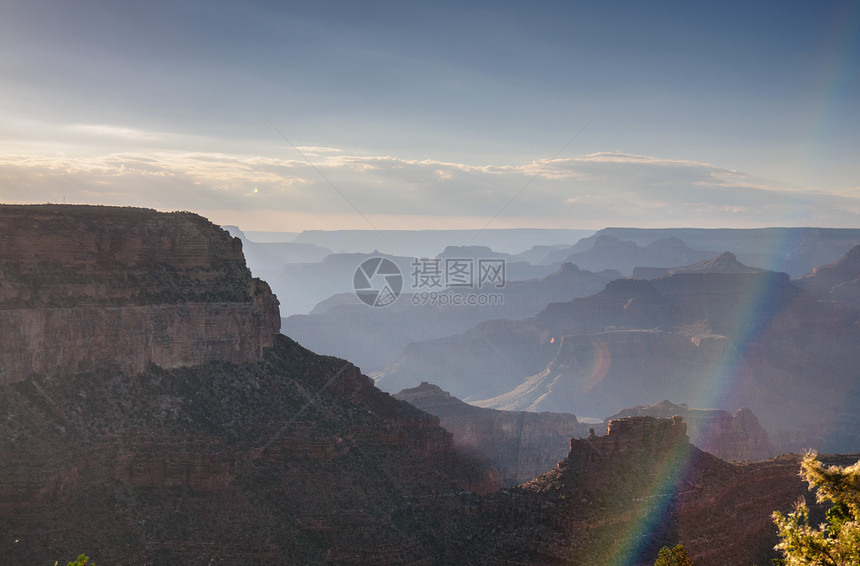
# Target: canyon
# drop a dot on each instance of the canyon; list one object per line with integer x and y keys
{"x": 341, "y": 325}
{"x": 716, "y": 337}
{"x": 151, "y": 412}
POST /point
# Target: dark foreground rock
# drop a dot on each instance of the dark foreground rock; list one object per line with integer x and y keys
{"x": 294, "y": 459}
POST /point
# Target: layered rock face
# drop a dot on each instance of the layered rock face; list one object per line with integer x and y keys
{"x": 672, "y": 493}
{"x": 84, "y": 287}
{"x": 727, "y": 436}
{"x": 150, "y": 413}
{"x": 294, "y": 458}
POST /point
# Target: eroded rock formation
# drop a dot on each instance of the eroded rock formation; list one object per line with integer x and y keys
{"x": 727, "y": 436}
{"x": 150, "y": 413}
{"x": 84, "y": 288}
{"x": 617, "y": 498}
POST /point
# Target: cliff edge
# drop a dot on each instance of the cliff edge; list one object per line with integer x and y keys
{"x": 93, "y": 287}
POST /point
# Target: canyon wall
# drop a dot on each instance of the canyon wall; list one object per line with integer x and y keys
{"x": 519, "y": 446}
{"x": 89, "y": 287}
{"x": 151, "y": 413}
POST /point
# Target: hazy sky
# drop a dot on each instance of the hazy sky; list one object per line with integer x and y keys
{"x": 435, "y": 115}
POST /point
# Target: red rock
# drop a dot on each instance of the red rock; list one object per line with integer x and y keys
{"x": 84, "y": 288}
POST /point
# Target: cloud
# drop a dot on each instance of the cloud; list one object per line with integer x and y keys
{"x": 101, "y": 130}
{"x": 317, "y": 150}
{"x": 589, "y": 191}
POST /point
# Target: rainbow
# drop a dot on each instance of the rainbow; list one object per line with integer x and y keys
{"x": 751, "y": 315}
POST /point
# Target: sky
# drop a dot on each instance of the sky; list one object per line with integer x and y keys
{"x": 286, "y": 116}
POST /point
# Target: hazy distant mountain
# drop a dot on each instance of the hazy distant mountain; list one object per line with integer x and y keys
{"x": 837, "y": 283}
{"x": 300, "y": 286}
{"x": 607, "y": 252}
{"x": 721, "y": 340}
{"x": 791, "y": 250}
{"x": 373, "y": 337}
{"x": 267, "y": 236}
{"x": 516, "y": 269}
{"x": 272, "y": 255}
{"x": 541, "y": 254}
{"x": 428, "y": 243}
{"x": 726, "y": 262}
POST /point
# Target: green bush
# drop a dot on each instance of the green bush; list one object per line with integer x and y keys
{"x": 835, "y": 543}
{"x": 673, "y": 557}
{"x": 82, "y": 560}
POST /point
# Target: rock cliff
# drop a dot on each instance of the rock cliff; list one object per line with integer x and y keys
{"x": 727, "y": 436}
{"x": 150, "y": 413}
{"x": 85, "y": 287}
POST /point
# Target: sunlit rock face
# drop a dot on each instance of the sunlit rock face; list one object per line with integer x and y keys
{"x": 84, "y": 288}
{"x": 728, "y": 436}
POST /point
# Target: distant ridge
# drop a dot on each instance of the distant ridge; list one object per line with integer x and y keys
{"x": 792, "y": 250}
{"x": 837, "y": 283}
{"x": 726, "y": 262}
{"x": 428, "y": 243}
